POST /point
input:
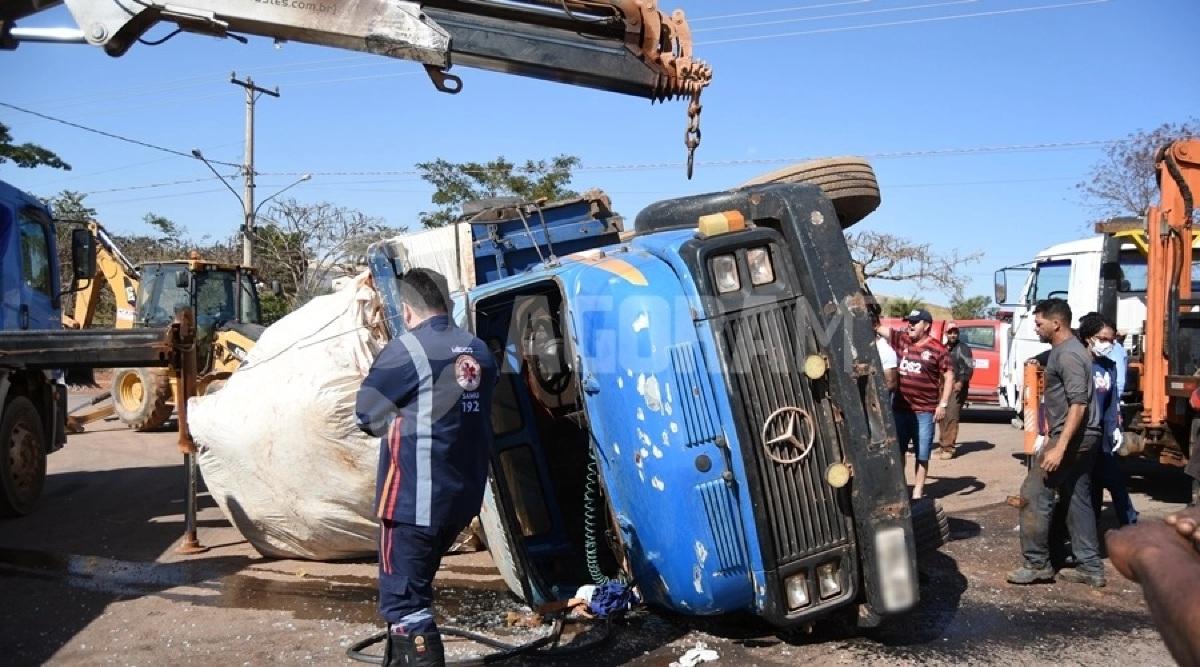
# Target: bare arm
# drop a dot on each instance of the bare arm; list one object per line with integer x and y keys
{"x": 1168, "y": 568}
{"x": 891, "y": 379}
{"x": 947, "y": 391}
{"x": 1053, "y": 455}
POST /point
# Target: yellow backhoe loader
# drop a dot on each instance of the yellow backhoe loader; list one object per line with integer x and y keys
{"x": 223, "y": 296}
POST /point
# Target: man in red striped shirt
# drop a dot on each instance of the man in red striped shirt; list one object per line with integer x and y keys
{"x": 926, "y": 381}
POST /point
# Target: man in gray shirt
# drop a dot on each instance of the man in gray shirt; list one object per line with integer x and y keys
{"x": 1062, "y": 468}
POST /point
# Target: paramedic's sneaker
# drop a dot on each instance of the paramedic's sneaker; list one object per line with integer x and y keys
{"x": 1028, "y": 575}
{"x": 1078, "y": 576}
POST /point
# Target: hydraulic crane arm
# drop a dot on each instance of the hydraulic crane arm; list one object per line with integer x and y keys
{"x": 624, "y": 46}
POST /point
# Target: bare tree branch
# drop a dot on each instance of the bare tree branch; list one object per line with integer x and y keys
{"x": 1123, "y": 181}
{"x": 889, "y": 257}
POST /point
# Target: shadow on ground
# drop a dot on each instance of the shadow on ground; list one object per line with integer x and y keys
{"x": 89, "y": 546}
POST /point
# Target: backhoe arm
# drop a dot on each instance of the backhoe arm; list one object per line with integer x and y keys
{"x": 113, "y": 269}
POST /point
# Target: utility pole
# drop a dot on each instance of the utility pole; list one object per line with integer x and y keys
{"x": 252, "y": 94}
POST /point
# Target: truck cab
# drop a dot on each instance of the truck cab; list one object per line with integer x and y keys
{"x": 32, "y": 402}
{"x": 1087, "y": 273}
{"x": 693, "y": 407}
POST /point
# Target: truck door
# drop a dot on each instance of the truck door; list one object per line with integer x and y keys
{"x": 35, "y": 240}
{"x": 984, "y": 340}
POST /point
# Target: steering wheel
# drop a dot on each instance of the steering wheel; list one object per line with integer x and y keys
{"x": 544, "y": 354}
{"x": 1057, "y": 294}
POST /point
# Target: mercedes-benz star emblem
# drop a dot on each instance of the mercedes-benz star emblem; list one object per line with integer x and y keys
{"x": 787, "y": 435}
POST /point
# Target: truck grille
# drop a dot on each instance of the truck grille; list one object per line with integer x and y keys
{"x": 802, "y": 510}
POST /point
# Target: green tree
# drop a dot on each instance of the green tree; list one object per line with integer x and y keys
{"x": 969, "y": 308}
{"x": 902, "y": 306}
{"x": 27, "y": 155}
{"x": 1124, "y": 182}
{"x": 457, "y": 183}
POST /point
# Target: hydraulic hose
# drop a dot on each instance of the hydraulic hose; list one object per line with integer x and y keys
{"x": 503, "y": 651}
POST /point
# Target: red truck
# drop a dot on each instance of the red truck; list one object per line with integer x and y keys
{"x": 987, "y": 340}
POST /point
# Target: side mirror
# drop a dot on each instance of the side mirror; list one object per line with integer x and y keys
{"x": 276, "y": 289}
{"x": 183, "y": 279}
{"x": 1001, "y": 284}
{"x": 83, "y": 254}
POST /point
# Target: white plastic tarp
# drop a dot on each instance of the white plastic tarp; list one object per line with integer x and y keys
{"x": 279, "y": 446}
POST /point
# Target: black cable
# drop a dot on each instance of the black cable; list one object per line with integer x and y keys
{"x": 110, "y": 135}
{"x": 156, "y": 42}
{"x": 1184, "y": 190}
{"x": 504, "y": 651}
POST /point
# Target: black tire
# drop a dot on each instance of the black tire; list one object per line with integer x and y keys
{"x": 848, "y": 182}
{"x": 22, "y": 457}
{"x": 931, "y": 527}
{"x": 142, "y": 399}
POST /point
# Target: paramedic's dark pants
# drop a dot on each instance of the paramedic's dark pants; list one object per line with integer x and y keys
{"x": 1071, "y": 483}
{"x": 409, "y": 557}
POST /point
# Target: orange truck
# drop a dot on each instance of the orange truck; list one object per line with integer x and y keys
{"x": 1162, "y": 418}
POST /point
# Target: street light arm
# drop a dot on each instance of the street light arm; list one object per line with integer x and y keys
{"x": 291, "y": 185}
{"x": 200, "y": 156}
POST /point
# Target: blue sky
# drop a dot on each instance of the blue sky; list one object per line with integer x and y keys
{"x": 907, "y": 83}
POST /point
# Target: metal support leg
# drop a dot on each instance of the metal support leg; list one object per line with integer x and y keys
{"x": 185, "y": 366}
{"x": 190, "y": 543}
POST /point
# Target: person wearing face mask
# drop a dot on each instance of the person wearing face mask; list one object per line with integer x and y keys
{"x": 428, "y": 398}
{"x": 1097, "y": 334}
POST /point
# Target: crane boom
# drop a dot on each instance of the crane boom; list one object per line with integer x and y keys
{"x": 623, "y": 46}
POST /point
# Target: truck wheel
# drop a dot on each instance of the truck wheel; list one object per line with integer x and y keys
{"x": 22, "y": 457}
{"x": 848, "y": 182}
{"x": 931, "y": 528}
{"x": 142, "y": 399}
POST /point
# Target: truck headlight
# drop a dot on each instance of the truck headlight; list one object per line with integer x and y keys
{"x": 895, "y": 570}
{"x": 724, "y": 268}
{"x": 796, "y": 587}
{"x": 829, "y": 579}
{"x": 761, "y": 270}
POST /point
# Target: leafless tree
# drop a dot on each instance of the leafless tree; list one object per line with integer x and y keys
{"x": 304, "y": 245}
{"x": 890, "y": 257}
{"x": 1123, "y": 181}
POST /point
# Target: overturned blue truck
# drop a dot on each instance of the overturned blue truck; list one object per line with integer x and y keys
{"x": 693, "y": 406}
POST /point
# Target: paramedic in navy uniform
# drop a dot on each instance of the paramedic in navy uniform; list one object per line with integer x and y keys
{"x": 428, "y": 397}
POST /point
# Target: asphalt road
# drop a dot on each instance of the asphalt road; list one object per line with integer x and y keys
{"x": 92, "y": 578}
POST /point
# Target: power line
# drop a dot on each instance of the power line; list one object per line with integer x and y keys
{"x": 413, "y": 175}
{"x": 110, "y": 135}
{"x": 781, "y": 10}
{"x": 645, "y": 166}
{"x": 888, "y": 10}
{"x": 199, "y": 80}
{"x": 952, "y": 17}
{"x": 149, "y": 186}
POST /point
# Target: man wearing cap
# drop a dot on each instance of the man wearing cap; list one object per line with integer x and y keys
{"x": 926, "y": 381}
{"x": 963, "y": 363}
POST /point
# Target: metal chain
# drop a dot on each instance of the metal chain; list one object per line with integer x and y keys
{"x": 691, "y": 136}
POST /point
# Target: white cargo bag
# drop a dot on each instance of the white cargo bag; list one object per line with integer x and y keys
{"x": 279, "y": 447}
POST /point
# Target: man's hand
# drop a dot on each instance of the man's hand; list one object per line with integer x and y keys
{"x": 957, "y": 387}
{"x": 939, "y": 414}
{"x": 1052, "y": 458}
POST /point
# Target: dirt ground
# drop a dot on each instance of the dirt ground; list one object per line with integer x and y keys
{"x": 92, "y": 578}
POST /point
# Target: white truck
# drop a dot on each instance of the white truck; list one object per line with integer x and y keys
{"x": 1103, "y": 273}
